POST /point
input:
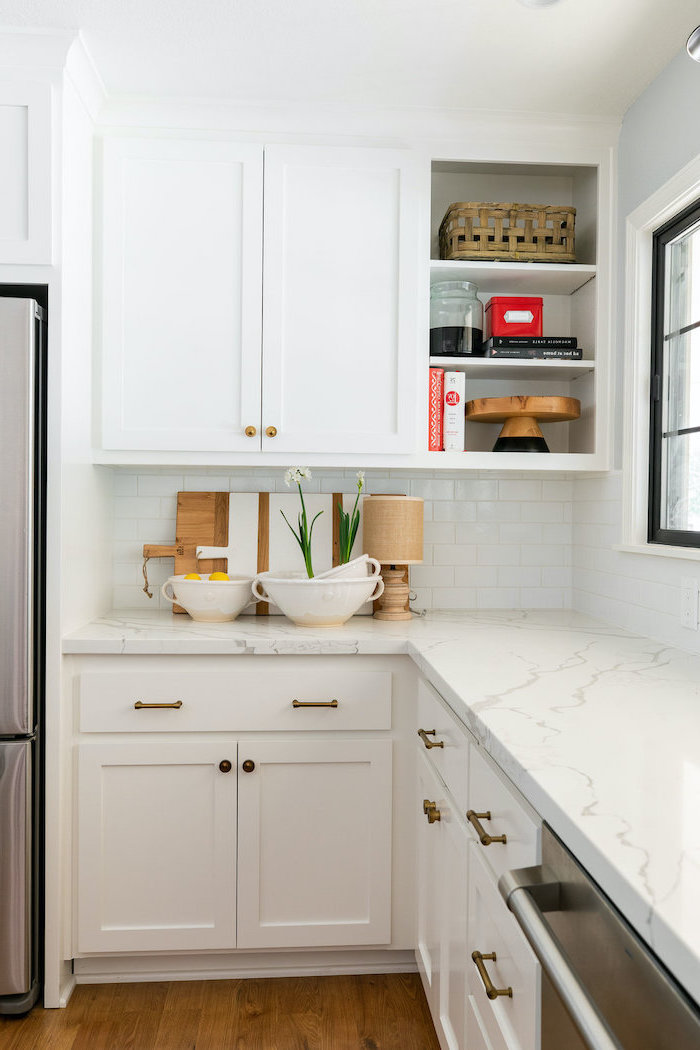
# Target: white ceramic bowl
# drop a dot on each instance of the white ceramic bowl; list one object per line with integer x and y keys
{"x": 361, "y": 567}
{"x": 317, "y": 602}
{"x": 211, "y": 601}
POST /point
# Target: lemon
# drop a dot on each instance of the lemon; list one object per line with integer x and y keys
{"x": 219, "y": 576}
{"x": 193, "y": 576}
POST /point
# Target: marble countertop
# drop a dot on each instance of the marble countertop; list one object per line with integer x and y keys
{"x": 599, "y": 729}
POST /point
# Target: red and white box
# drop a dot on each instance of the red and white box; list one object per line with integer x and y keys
{"x": 453, "y": 415}
{"x": 513, "y": 315}
{"x": 436, "y": 393}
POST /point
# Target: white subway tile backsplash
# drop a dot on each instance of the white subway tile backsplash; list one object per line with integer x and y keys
{"x": 495, "y": 511}
{"x": 473, "y": 489}
{"x": 455, "y": 554}
{"x": 438, "y": 532}
{"x": 491, "y": 541}
{"x": 523, "y": 491}
{"x": 454, "y": 511}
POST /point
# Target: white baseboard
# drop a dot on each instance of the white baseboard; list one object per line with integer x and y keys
{"x": 114, "y": 969}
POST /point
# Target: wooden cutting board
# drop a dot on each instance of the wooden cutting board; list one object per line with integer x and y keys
{"x": 251, "y": 526}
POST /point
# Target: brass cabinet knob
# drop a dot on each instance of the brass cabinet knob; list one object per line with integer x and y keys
{"x": 248, "y": 765}
{"x": 271, "y": 431}
{"x": 431, "y": 811}
{"x": 225, "y": 766}
{"x": 250, "y": 432}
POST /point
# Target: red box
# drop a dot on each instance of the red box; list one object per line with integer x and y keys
{"x": 513, "y": 315}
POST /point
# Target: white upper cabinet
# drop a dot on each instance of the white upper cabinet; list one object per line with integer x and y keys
{"x": 184, "y": 296}
{"x": 25, "y": 172}
{"x": 181, "y": 293}
{"x": 339, "y": 306}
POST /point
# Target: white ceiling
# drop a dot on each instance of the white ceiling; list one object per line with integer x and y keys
{"x": 580, "y": 56}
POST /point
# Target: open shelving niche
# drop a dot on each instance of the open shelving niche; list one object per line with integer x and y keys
{"x": 570, "y": 307}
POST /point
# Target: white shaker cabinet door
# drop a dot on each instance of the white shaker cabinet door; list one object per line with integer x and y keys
{"x": 156, "y": 847}
{"x": 340, "y": 277}
{"x": 314, "y": 852}
{"x": 25, "y": 172}
{"x": 180, "y": 286}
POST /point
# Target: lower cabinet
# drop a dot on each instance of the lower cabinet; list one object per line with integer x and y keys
{"x": 156, "y": 846}
{"x": 443, "y": 850}
{"x": 480, "y": 976}
{"x": 233, "y": 843}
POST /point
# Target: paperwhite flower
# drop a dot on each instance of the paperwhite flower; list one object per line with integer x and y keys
{"x": 360, "y": 480}
{"x": 296, "y": 474}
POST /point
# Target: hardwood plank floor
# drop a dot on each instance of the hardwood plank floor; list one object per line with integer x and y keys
{"x": 370, "y": 1012}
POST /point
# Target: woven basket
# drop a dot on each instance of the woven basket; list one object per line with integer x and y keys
{"x": 508, "y": 232}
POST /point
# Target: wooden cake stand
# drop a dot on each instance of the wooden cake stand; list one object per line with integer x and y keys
{"x": 521, "y": 417}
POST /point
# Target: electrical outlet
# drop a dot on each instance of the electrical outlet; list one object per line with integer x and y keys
{"x": 689, "y": 603}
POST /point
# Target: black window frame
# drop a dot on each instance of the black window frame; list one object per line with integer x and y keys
{"x": 668, "y": 232}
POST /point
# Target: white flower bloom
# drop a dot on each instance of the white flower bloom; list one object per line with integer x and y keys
{"x": 360, "y": 480}
{"x": 296, "y": 474}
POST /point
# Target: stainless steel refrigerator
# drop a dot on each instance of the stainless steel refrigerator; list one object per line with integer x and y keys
{"x": 22, "y": 527}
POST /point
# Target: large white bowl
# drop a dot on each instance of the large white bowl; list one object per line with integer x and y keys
{"x": 317, "y": 602}
{"x": 211, "y": 601}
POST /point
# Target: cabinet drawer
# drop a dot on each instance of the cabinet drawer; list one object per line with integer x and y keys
{"x": 451, "y": 761}
{"x": 509, "y": 1021}
{"x": 510, "y": 816}
{"x": 235, "y": 701}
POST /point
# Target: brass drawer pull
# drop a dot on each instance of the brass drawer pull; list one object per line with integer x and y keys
{"x": 271, "y": 431}
{"x": 484, "y": 838}
{"x": 425, "y": 733}
{"x": 478, "y": 960}
{"x": 140, "y": 706}
{"x": 431, "y": 811}
{"x": 250, "y": 432}
{"x": 314, "y": 703}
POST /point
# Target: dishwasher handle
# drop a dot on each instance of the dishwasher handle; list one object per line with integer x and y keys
{"x": 529, "y": 892}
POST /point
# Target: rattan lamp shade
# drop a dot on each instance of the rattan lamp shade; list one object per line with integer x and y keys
{"x": 392, "y": 529}
{"x": 392, "y": 532}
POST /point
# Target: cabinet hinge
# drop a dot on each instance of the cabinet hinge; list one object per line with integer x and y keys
{"x": 656, "y": 388}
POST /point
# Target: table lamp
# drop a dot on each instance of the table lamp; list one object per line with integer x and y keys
{"x": 392, "y": 532}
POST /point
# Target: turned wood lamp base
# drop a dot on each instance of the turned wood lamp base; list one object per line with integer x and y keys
{"x": 521, "y": 418}
{"x": 393, "y": 604}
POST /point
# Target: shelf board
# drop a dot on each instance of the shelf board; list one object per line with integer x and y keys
{"x": 513, "y": 368}
{"x": 520, "y": 278}
{"x": 507, "y": 461}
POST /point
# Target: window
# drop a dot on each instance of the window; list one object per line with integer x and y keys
{"x": 674, "y": 461}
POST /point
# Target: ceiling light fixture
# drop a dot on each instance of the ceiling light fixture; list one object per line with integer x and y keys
{"x": 693, "y": 45}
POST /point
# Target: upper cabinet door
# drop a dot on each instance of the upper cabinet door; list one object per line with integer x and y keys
{"x": 25, "y": 172}
{"x": 340, "y": 275}
{"x": 180, "y": 294}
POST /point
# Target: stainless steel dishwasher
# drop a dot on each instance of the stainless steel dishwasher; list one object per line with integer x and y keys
{"x": 602, "y": 988}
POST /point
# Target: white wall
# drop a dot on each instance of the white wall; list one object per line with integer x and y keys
{"x": 660, "y": 134}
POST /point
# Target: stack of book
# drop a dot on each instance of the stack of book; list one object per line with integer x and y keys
{"x": 536, "y": 347}
{"x": 446, "y": 411}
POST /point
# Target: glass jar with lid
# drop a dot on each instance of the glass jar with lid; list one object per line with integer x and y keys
{"x": 456, "y": 320}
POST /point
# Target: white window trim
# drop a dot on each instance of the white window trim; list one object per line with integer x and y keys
{"x": 669, "y": 200}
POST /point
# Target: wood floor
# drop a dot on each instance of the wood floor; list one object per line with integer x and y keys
{"x": 384, "y": 1012}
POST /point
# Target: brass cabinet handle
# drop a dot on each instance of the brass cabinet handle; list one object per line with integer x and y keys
{"x": 484, "y": 838}
{"x": 491, "y": 991}
{"x": 250, "y": 432}
{"x": 140, "y": 706}
{"x": 271, "y": 431}
{"x": 314, "y": 703}
{"x": 425, "y": 733}
{"x": 248, "y": 765}
{"x": 225, "y": 766}
{"x": 431, "y": 811}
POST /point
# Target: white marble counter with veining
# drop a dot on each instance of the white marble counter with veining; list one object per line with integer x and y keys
{"x": 599, "y": 728}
